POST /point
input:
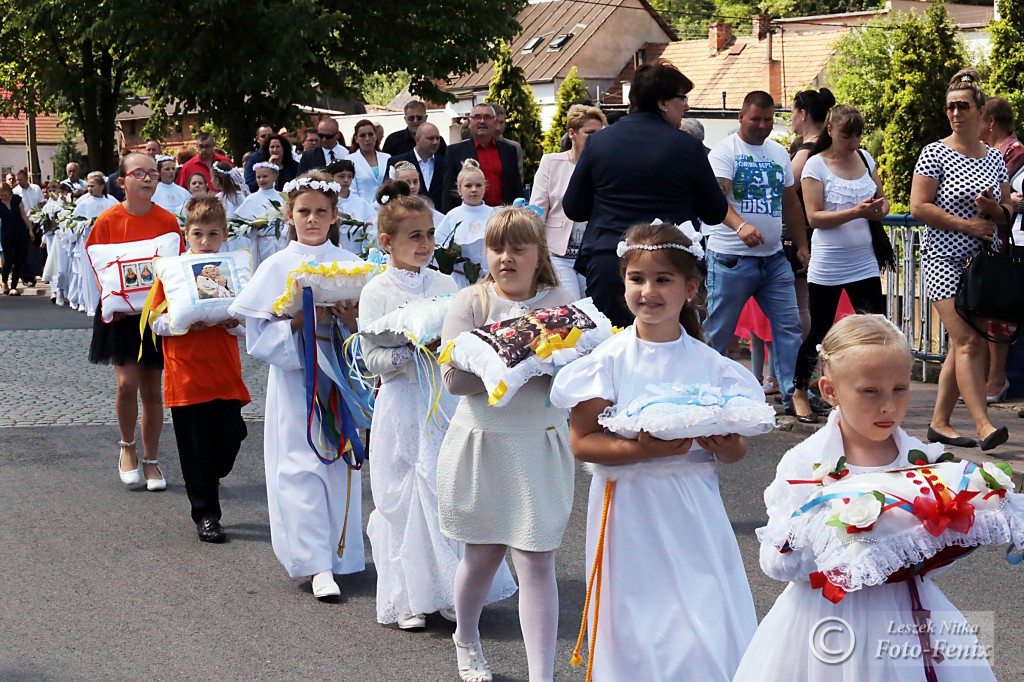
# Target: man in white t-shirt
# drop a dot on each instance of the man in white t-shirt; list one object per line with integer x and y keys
{"x": 30, "y": 193}
{"x": 744, "y": 255}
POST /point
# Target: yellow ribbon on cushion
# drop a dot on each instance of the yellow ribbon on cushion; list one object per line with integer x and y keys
{"x": 147, "y": 313}
{"x": 332, "y": 269}
{"x": 498, "y": 393}
{"x": 446, "y": 353}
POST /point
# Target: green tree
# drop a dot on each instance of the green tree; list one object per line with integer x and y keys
{"x": 72, "y": 55}
{"x": 571, "y": 90}
{"x": 522, "y": 120}
{"x": 1008, "y": 55}
{"x": 158, "y": 125}
{"x": 381, "y": 88}
{"x": 861, "y": 68}
{"x": 241, "y": 68}
{"x": 926, "y": 54}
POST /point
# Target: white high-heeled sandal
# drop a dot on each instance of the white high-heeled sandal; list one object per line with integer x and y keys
{"x": 476, "y": 668}
{"x": 134, "y": 476}
{"x": 155, "y": 483}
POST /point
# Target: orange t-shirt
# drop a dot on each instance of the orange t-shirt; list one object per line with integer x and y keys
{"x": 201, "y": 366}
{"x": 116, "y": 225}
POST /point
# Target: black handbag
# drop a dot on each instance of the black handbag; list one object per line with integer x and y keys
{"x": 880, "y": 242}
{"x": 991, "y": 288}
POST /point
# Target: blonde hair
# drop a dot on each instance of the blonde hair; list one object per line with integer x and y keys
{"x": 205, "y": 209}
{"x": 579, "y": 114}
{"x": 514, "y": 225}
{"x": 334, "y": 232}
{"x": 469, "y": 167}
{"x": 856, "y": 331}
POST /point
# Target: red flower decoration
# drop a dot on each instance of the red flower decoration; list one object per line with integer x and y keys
{"x": 829, "y": 590}
{"x": 941, "y": 513}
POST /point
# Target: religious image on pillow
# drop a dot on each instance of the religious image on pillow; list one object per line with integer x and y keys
{"x": 214, "y": 279}
{"x": 516, "y": 339}
{"x": 132, "y": 278}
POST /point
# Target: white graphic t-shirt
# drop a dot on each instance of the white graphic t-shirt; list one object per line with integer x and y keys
{"x": 758, "y": 174}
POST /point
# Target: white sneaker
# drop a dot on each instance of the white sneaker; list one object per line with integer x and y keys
{"x": 448, "y": 614}
{"x": 412, "y": 621}
{"x": 324, "y": 585}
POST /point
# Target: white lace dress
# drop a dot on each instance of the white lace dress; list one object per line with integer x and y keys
{"x": 415, "y": 563}
{"x": 880, "y": 617}
{"x": 675, "y": 602}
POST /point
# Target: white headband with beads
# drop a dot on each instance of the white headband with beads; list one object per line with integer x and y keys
{"x": 220, "y": 171}
{"x": 160, "y": 158}
{"x": 266, "y": 164}
{"x": 687, "y": 228}
{"x": 318, "y": 185}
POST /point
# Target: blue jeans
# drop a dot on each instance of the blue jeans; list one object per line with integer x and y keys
{"x": 731, "y": 280}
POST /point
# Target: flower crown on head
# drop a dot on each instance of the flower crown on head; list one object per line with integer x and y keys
{"x": 219, "y": 171}
{"x": 318, "y": 185}
{"x": 160, "y": 158}
{"x": 266, "y": 164}
{"x": 694, "y": 249}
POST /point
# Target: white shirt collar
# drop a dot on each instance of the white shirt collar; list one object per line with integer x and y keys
{"x": 420, "y": 158}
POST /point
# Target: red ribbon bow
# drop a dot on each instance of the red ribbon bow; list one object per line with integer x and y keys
{"x": 829, "y": 590}
{"x": 941, "y": 513}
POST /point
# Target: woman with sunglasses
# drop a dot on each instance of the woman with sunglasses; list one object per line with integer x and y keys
{"x": 117, "y": 343}
{"x": 371, "y": 165}
{"x": 961, "y": 192}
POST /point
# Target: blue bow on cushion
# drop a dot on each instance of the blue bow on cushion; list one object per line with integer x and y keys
{"x": 702, "y": 395}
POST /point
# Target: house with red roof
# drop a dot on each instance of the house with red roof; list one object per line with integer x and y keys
{"x": 14, "y": 145}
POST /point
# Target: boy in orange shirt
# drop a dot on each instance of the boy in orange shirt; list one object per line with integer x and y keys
{"x": 203, "y": 384}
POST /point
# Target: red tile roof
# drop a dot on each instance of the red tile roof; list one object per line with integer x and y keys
{"x": 48, "y": 130}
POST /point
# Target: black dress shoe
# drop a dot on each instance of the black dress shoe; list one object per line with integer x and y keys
{"x": 996, "y": 438}
{"x": 819, "y": 405}
{"x": 210, "y": 530}
{"x": 960, "y": 441}
{"x": 811, "y": 418}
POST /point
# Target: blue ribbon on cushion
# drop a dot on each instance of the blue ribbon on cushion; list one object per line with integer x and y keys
{"x": 700, "y": 395}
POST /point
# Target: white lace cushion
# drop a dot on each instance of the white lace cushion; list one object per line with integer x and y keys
{"x": 331, "y": 283}
{"x": 125, "y": 272}
{"x": 418, "y": 321}
{"x": 471, "y": 353}
{"x": 200, "y": 287}
{"x": 897, "y": 539}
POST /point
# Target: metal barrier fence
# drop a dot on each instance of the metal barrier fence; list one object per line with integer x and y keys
{"x": 907, "y": 302}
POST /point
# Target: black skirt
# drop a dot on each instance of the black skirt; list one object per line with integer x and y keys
{"x": 117, "y": 343}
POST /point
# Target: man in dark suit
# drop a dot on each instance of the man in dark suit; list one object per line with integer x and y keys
{"x": 332, "y": 147}
{"x": 402, "y": 141}
{"x": 428, "y": 160}
{"x": 262, "y": 133}
{"x": 497, "y": 160}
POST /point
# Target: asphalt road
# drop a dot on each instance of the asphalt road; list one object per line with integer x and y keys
{"x": 104, "y": 583}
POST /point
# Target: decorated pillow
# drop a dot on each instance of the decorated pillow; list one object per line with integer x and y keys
{"x": 199, "y": 287}
{"x": 126, "y": 273}
{"x": 417, "y": 322}
{"x": 505, "y": 355}
{"x": 670, "y": 411}
{"x": 883, "y": 526}
{"x": 332, "y": 282}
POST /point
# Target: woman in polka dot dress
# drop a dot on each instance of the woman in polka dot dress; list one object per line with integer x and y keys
{"x": 960, "y": 192}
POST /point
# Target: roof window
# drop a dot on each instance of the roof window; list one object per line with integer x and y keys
{"x": 533, "y": 44}
{"x": 559, "y": 42}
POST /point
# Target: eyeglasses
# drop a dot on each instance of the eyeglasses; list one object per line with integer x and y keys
{"x": 415, "y": 117}
{"x": 958, "y": 105}
{"x": 482, "y": 117}
{"x": 326, "y": 136}
{"x": 140, "y": 174}
{"x": 685, "y": 98}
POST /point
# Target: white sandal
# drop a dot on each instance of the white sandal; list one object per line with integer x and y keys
{"x": 155, "y": 483}
{"x": 476, "y": 668}
{"x": 134, "y": 476}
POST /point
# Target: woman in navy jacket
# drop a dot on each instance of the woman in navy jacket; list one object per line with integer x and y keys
{"x": 639, "y": 169}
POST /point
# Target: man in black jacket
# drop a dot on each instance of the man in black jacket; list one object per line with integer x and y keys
{"x": 402, "y": 141}
{"x": 331, "y": 149}
{"x": 428, "y": 160}
{"x": 497, "y": 160}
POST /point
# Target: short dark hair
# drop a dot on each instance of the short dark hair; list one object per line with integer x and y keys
{"x": 414, "y": 104}
{"x": 204, "y": 137}
{"x": 653, "y": 83}
{"x": 341, "y": 166}
{"x": 996, "y": 108}
{"x": 759, "y": 99}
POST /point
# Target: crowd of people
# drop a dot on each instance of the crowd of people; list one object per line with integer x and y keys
{"x": 672, "y": 244}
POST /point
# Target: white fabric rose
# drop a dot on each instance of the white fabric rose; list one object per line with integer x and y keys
{"x": 977, "y": 483}
{"x": 823, "y": 469}
{"x": 860, "y": 511}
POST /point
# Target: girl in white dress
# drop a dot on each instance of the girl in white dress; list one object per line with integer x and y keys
{"x": 169, "y": 194}
{"x": 415, "y": 563}
{"x": 352, "y": 237}
{"x": 866, "y": 377}
{"x": 228, "y": 184}
{"x": 406, "y": 172}
{"x": 312, "y": 505}
{"x": 266, "y": 241}
{"x": 89, "y": 206}
{"x": 673, "y": 599}
{"x": 465, "y": 224}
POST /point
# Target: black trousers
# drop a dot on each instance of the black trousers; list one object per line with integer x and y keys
{"x": 209, "y": 436}
{"x": 865, "y": 296}
{"x": 605, "y": 286}
{"x": 15, "y": 251}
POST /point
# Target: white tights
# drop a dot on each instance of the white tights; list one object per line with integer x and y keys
{"x": 538, "y": 601}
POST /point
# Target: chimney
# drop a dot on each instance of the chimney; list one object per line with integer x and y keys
{"x": 762, "y": 24}
{"x": 719, "y": 35}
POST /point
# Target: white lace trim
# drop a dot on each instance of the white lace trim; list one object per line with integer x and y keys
{"x": 668, "y": 421}
{"x": 842, "y": 192}
{"x": 407, "y": 280}
{"x": 855, "y": 567}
